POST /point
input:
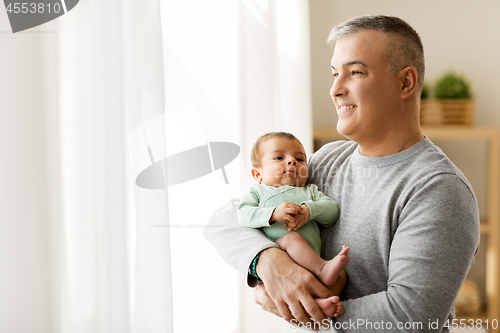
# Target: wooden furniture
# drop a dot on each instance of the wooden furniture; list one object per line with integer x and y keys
{"x": 490, "y": 226}
{"x": 446, "y": 112}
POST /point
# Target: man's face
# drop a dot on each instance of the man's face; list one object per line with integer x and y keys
{"x": 366, "y": 96}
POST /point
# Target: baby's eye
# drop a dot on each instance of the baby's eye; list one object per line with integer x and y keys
{"x": 278, "y": 158}
{"x": 300, "y": 159}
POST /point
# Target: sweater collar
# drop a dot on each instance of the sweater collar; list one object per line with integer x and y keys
{"x": 383, "y": 161}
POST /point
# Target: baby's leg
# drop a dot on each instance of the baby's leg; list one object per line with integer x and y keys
{"x": 339, "y": 285}
{"x": 330, "y": 306}
{"x": 332, "y": 268}
{"x": 299, "y": 250}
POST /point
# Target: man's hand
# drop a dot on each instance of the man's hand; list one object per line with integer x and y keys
{"x": 262, "y": 298}
{"x": 290, "y": 287}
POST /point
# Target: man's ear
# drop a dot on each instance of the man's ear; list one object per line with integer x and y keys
{"x": 257, "y": 175}
{"x": 408, "y": 78}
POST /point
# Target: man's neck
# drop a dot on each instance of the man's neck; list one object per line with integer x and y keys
{"x": 391, "y": 143}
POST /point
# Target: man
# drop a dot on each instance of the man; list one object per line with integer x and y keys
{"x": 408, "y": 215}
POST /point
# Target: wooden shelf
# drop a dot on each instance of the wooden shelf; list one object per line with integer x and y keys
{"x": 490, "y": 227}
{"x": 485, "y": 228}
{"x": 451, "y": 132}
{"x": 481, "y": 315}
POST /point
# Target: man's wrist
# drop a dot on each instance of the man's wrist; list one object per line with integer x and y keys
{"x": 259, "y": 262}
{"x": 252, "y": 270}
{"x": 271, "y": 254}
{"x": 254, "y": 279}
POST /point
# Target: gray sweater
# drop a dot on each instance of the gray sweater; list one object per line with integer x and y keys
{"x": 411, "y": 222}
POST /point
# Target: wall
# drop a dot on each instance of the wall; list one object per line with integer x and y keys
{"x": 457, "y": 35}
{"x": 25, "y": 302}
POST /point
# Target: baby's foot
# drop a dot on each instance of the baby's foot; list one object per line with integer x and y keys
{"x": 330, "y": 271}
{"x": 330, "y": 306}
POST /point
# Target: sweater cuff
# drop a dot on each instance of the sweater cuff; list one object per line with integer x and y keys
{"x": 252, "y": 281}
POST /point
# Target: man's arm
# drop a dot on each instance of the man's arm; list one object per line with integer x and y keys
{"x": 236, "y": 244}
{"x": 288, "y": 284}
{"x": 430, "y": 255}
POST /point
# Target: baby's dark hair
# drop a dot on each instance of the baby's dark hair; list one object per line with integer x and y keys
{"x": 255, "y": 155}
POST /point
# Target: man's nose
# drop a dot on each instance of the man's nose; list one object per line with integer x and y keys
{"x": 338, "y": 88}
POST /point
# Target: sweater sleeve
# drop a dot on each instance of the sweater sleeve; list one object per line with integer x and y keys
{"x": 249, "y": 212}
{"x": 323, "y": 209}
{"x": 431, "y": 252}
{"x": 236, "y": 244}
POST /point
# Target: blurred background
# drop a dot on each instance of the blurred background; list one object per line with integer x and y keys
{"x": 258, "y": 65}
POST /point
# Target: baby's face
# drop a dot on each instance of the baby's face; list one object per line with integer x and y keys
{"x": 282, "y": 162}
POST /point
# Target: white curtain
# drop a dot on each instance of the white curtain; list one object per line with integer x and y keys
{"x": 275, "y": 69}
{"x": 112, "y": 270}
{"x": 139, "y": 81}
{"x": 275, "y": 94}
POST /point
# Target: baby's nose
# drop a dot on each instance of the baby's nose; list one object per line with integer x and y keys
{"x": 292, "y": 161}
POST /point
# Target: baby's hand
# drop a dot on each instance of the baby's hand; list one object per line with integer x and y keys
{"x": 300, "y": 219}
{"x": 285, "y": 212}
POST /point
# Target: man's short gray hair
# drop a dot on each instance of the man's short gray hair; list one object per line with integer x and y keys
{"x": 405, "y": 47}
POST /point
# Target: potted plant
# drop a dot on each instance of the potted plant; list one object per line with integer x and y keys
{"x": 452, "y": 86}
{"x": 426, "y": 91}
{"x": 430, "y": 110}
{"x": 452, "y": 104}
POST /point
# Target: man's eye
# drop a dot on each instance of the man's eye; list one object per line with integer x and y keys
{"x": 335, "y": 75}
{"x": 356, "y": 72}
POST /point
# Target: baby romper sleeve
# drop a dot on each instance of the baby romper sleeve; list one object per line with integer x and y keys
{"x": 323, "y": 209}
{"x": 249, "y": 212}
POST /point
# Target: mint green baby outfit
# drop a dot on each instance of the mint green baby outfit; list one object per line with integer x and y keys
{"x": 257, "y": 206}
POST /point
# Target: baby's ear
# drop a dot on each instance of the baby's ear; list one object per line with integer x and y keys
{"x": 257, "y": 175}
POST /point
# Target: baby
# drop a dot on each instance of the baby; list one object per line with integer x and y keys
{"x": 286, "y": 210}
